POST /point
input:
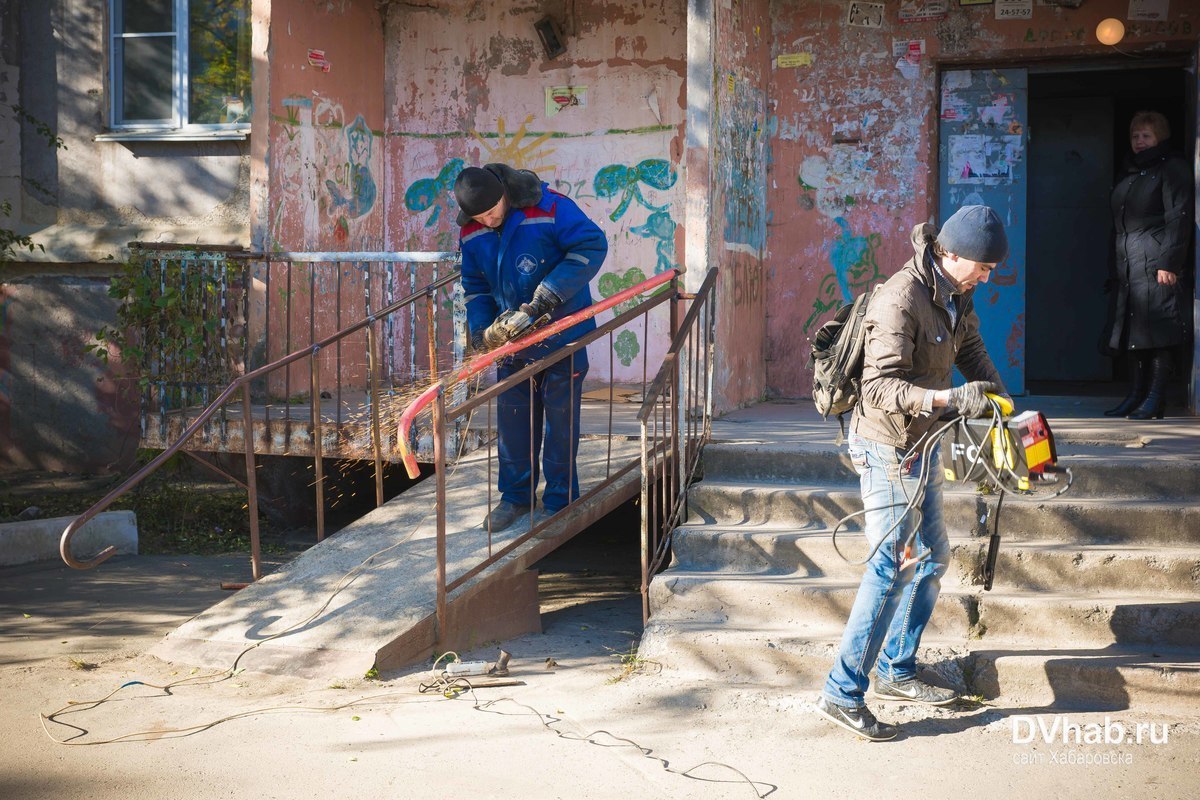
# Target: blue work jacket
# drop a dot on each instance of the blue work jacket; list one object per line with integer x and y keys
{"x": 552, "y": 242}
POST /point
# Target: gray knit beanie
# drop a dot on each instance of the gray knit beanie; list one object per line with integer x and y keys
{"x": 975, "y": 233}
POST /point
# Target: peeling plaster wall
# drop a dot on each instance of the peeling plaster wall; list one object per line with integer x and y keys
{"x": 740, "y": 211}
{"x": 467, "y": 84}
{"x": 325, "y": 174}
{"x": 92, "y": 198}
{"x": 853, "y": 142}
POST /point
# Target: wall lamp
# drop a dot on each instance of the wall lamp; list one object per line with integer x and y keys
{"x": 1110, "y": 31}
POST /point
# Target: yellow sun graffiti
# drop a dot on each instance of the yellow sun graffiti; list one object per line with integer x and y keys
{"x": 515, "y": 150}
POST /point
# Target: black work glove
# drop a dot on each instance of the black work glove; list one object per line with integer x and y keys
{"x": 544, "y": 301}
{"x": 477, "y": 345}
{"x": 970, "y": 399}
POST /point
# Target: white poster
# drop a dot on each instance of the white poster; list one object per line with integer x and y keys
{"x": 983, "y": 159}
{"x": 1014, "y": 9}
{"x": 1148, "y": 10}
{"x": 922, "y": 10}
{"x": 865, "y": 15}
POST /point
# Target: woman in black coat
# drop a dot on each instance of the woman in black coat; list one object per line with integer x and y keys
{"x": 1152, "y": 214}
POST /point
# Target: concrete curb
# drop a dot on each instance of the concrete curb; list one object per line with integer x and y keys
{"x": 37, "y": 539}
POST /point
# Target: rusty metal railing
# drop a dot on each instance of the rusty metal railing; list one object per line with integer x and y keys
{"x": 676, "y": 421}
{"x": 276, "y": 303}
{"x": 382, "y": 369}
{"x": 629, "y": 310}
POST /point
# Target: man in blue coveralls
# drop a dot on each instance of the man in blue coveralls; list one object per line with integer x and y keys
{"x": 530, "y": 250}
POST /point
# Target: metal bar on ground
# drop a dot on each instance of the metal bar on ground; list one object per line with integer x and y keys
{"x": 251, "y": 484}
{"x": 318, "y": 463}
{"x": 439, "y": 462}
{"x": 376, "y": 437}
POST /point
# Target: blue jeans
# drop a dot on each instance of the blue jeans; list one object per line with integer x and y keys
{"x": 551, "y": 403}
{"x": 892, "y": 606}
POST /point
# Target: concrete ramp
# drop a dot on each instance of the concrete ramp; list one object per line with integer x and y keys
{"x": 366, "y": 597}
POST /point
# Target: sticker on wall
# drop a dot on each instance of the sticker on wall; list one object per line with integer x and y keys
{"x": 563, "y": 97}
{"x": 793, "y": 60}
{"x": 865, "y": 15}
{"x": 316, "y": 58}
{"x": 922, "y": 10}
{"x": 1014, "y": 9}
{"x": 977, "y": 158}
{"x": 911, "y": 70}
{"x": 1148, "y": 10}
{"x": 912, "y": 49}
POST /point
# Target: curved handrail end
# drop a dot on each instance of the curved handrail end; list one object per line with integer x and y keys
{"x": 64, "y": 550}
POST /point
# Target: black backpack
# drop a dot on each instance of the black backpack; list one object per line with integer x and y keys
{"x": 837, "y": 359}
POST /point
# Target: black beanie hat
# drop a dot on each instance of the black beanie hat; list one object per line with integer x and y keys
{"x": 477, "y": 190}
{"x": 975, "y": 233}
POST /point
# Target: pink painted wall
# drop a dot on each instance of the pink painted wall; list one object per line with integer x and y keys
{"x": 739, "y": 209}
{"x": 326, "y": 181}
{"x": 467, "y": 84}
{"x": 853, "y": 140}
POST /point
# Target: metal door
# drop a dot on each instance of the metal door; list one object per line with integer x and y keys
{"x": 981, "y": 149}
{"x": 1070, "y": 238}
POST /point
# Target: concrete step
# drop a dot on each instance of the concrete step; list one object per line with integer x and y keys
{"x": 1100, "y": 679}
{"x": 1036, "y": 565}
{"x": 1083, "y": 520}
{"x": 816, "y": 607}
{"x": 1095, "y": 474}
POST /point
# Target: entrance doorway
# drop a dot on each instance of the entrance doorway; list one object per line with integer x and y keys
{"x": 1078, "y": 143}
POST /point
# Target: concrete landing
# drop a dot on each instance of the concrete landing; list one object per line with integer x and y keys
{"x": 366, "y": 597}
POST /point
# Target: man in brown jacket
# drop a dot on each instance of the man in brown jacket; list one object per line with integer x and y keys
{"x": 920, "y": 325}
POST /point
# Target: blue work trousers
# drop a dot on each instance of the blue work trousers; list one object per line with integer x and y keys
{"x": 893, "y": 605}
{"x": 550, "y": 403}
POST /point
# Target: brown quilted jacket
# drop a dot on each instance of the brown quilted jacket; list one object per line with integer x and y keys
{"x": 910, "y": 348}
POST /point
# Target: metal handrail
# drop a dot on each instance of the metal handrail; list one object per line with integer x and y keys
{"x": 485, "y": 360}
{"x": 243, "y": 382}
{"x": 436, "y": 395}
{"x": 675, "y": 459}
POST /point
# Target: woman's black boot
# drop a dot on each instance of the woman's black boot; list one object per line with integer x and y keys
{"x": 1137, "y": 391}
{"x": 1156, "y": 398}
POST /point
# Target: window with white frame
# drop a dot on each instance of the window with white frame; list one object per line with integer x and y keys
{"x": 180, "y": 64}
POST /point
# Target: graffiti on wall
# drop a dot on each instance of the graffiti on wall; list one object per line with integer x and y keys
{"x": 324, "y": 167}
{"x": 516, "y": 149}
{"x": 743, "y": 165}
{"x": 630, "y": 199}
{"x": 855, "y": 269}
{"x": 619, "y": 179}
{"x": 436, "y": 192}
{"x": 660, "y": 227}
{"x": 353, "y": 187}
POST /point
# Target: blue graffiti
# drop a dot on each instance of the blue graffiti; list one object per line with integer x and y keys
{"x": 744, "y": 169}
{"x": 434, "y": 192}
{"x": 853, "y": 259}
{"x": 619, "y": 179}
{"x": 660, "y": 226}
{"x": 361, "y": 197}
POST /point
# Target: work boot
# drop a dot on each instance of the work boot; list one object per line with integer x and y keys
{"x": 1156, "y": 397}
{"x": 503, "y": 515}
{"x": 1137, "y": 390}
{"x": 859, "y": 721}
{"x": 913, "y": 690}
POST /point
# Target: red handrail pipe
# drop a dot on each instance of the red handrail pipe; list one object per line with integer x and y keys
{"x": 484, "y": 360}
